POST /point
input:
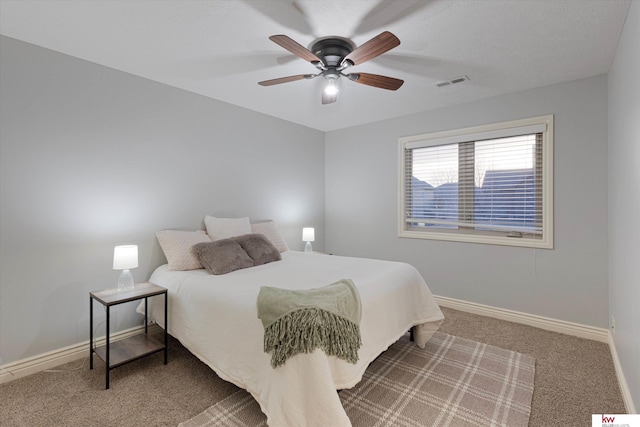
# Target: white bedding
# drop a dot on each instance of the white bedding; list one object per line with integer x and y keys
{"x": 215, "y": 318}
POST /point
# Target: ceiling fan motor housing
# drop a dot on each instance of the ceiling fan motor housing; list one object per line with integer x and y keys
{"x": 332, "y": 50}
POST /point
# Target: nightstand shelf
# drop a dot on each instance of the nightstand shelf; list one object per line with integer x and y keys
{"x": 129, "y": 349}
{"x": 119, "y": 352}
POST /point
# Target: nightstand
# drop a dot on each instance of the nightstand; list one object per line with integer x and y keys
{"x": 119, "y": 352}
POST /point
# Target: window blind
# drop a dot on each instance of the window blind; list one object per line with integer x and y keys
{"x": 480, "y": 183}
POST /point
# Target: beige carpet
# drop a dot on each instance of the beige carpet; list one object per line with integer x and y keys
{"x": 574, "y": 378}
{"x": 452, "y": 382}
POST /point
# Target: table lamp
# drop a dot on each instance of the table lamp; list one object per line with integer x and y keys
{"x": 124, "y": 258}
{"x": 308, "y": 235}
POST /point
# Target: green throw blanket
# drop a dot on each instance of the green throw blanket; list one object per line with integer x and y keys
{"x": 299, "y": 321}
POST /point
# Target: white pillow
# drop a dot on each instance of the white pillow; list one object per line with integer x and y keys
{"x": 176, "y": 246}
{"x": 223, "y": 228}
{"x": 270, "y": 231}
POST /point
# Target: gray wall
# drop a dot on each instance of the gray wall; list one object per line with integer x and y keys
{"x": 92, "y": 158}
{"x": 624, "y": 199}
{"x": 567, "y": 283}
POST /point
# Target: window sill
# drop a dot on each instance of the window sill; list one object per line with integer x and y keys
{"x": 544, "y": 243}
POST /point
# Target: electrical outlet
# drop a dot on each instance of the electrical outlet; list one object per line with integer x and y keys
{"x": 613, "y": 325}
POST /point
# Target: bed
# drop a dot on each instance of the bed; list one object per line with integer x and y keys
{"x": 214, "y": 317}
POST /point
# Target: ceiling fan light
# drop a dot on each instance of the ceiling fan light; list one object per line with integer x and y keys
{"x": 331, "y": 88}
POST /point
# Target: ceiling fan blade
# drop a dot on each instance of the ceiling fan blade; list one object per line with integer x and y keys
{"x": 286, "y": 79}
{"x": 378, "y": 45}
{"x": 376, "y": 80}
{"x": 295, "y": 48}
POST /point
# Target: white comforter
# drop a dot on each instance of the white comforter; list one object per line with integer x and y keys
{"x": 215, "y": 318}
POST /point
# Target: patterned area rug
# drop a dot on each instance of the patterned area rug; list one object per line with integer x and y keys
{"x": 452, "y": 382}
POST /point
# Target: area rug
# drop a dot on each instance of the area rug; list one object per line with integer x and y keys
{"x": 452, "y": 382}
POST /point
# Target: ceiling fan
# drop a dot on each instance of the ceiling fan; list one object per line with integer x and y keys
{"x": 333, "y": 55}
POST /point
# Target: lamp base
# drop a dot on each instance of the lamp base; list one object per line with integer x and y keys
{"x": 307, "y": 248}
{"x": 125, "y": 281}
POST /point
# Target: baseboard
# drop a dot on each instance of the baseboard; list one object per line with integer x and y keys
{"x": 22, "y": 368}
{"x": 622, "y": 381}
{"x": 546, "y": 323}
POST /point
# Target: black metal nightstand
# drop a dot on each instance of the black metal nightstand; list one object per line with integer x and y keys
{"x": 119, "y": 352}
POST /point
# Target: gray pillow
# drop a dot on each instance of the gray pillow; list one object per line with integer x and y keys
{"x": 259, "y": 248}
{"x": 222, "y": 256}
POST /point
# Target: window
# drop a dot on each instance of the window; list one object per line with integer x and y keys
{"x": 487, "y": 184}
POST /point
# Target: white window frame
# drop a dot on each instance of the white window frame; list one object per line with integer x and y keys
{"x": 543, "y": 124}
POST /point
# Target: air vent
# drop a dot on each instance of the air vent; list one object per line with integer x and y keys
{"x": 453, "y": 81}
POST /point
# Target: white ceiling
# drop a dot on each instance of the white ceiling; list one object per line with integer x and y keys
{"x": 220, "y": 48}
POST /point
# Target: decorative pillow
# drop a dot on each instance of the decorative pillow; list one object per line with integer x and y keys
{"x": 259, "y": 248}
{"x": 176, "y": 246}
{"x": 223, "y": 228}
{"x": 222, "y": 256}
{"x": 270, "y": 231}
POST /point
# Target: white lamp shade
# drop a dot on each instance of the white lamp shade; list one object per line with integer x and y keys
{"x": 331, "y": 87}
{"x": 125, "y": 257}
{"x": 308, "y": 234}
